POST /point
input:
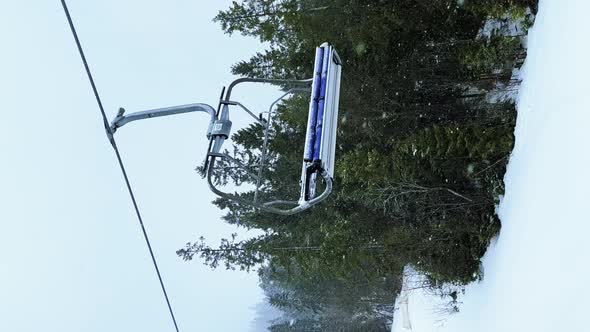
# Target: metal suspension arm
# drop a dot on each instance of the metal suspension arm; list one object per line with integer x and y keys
{"x": 121, "y": 119}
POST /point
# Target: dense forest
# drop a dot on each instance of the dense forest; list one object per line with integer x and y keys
{"x": 425, "y": 131}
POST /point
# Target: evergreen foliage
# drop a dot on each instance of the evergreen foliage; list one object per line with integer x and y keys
{"x": 422, "y": 149}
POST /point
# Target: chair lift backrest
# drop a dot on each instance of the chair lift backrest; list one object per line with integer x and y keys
{"x": 322, "y": 123}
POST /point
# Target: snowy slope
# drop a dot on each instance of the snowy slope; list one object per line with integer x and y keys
{"x": 537, "y": 274}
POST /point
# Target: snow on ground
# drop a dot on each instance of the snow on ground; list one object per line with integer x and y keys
{"x": 537, "y": 276}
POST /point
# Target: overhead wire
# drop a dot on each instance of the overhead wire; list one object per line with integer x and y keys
{"x": 120, "y": 161}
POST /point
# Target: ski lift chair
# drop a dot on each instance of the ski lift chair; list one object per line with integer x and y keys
{"x": 320, "y": 139}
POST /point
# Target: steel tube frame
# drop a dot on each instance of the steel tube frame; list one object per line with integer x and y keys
{"x": 268, "y": 206}
{"x": 121, "y": 119}
{"x": 301, "y": 206}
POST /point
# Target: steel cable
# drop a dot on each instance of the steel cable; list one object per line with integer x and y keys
{"x": 121, "y": 165}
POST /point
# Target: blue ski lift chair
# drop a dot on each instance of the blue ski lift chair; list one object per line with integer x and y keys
{"x": 320, "y": 139}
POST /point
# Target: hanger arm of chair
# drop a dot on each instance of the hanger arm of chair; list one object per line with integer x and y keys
{"x": 121, "y": 119}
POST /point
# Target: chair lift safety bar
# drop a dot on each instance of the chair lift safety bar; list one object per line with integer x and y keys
{"x": 320, "y": 139}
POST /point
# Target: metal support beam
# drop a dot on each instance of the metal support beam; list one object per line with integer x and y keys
{"x": 121, "y": 119}
{"x": 306, "y": 82}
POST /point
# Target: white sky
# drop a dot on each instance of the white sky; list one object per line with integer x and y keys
{"x": 72, "y": 257}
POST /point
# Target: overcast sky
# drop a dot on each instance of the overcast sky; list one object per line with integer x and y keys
{"x": 72, "y": 257}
